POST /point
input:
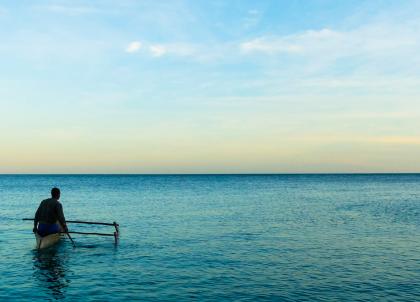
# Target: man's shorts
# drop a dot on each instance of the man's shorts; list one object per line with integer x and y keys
{"x": 45, "y": 229}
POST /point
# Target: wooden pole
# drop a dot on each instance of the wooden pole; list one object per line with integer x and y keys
{"x": 85, "y": 222}
{"x": 116, "y": 233}
{"x": 68, "y": 235}
{"x": 90, "y": 222}
{"x": 71, "y": 239}
{"x": 88, "y": 233}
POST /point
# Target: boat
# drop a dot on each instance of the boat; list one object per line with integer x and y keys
{"x": 47, "y": 241}
{"x": 43, "y": 242}
{"x": 50, "y": 240}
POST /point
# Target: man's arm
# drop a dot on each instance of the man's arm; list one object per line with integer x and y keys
{"x": 36, "y": 219}
{"x": 61, "y": 217}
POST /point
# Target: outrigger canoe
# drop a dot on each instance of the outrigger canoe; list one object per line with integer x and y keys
{"x": 50, "y": 240}
{"x": 43, "y": 242}
{"x": 47, "y": 241}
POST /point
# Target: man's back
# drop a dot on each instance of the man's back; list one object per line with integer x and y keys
{"x": 49, "y": 211}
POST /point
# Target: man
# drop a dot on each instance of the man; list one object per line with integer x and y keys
{"x": 49, "y": 218}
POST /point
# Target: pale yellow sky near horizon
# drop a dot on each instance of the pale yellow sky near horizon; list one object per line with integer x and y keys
{"x": 261, "y": 141}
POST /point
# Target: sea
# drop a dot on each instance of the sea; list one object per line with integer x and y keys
{"x": 327, "y": 237}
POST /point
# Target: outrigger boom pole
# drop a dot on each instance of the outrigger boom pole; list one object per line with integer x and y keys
{"x": 85, "y": 222}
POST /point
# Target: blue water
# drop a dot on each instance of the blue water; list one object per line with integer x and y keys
{"x": 217, "y": 238}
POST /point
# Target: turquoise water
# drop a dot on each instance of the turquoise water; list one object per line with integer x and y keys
{"x": 217, "y": 238}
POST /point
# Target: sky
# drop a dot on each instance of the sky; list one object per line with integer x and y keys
{"x": 232, "y": 86}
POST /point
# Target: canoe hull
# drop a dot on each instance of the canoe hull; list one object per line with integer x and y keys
{"x": 46, "y": 241}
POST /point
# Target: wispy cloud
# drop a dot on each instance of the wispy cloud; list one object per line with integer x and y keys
{"x": 163, "y": 49}
{"x": 380, "y": 44}
{"x": 397, "y": 140}
{"x": 157, "y": 50}
{"x": 133, "y": 47}
{"x": 370, "y": 40}
{"x": 269, "y": 46}
{"x": 385, "y": 84}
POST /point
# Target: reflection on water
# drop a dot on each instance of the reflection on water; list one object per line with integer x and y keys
{"x": 50, "y": 270}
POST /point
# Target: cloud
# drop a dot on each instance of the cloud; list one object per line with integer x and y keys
{"x": 133, "y": 47}
{"x": 385, "y": 48}
{"x": 398, "y": 140}
{"x": 373, "y": 39}
{"x": 306, "y": 42}
{"x": 174, "y": 49}
{"x": 270, "y": 47}
{"x": 377, "y": 46}
{"x": 157, "y": 50}
{"x": 162, "y": 49}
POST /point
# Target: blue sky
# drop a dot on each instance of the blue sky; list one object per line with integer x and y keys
{"x": 209, "y": 86}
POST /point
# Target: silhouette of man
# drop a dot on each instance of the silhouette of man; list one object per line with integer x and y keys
{"x": 49, "y": 218}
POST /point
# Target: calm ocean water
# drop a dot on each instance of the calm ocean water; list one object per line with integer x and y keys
{"x": 217, "y": 238}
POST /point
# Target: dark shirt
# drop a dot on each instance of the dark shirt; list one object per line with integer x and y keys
{"x": 49, "y": 211}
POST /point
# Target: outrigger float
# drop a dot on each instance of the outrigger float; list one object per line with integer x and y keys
{"x": 50, "y": 240}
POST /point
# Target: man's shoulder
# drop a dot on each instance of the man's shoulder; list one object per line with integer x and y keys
{"x": 50, "y": 200}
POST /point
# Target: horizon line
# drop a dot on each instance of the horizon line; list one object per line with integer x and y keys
{"x": 198, "y": 174}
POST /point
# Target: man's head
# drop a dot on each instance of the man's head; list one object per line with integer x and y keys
{"x": 55, "y": 193}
